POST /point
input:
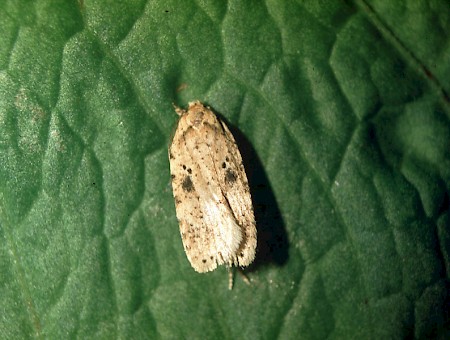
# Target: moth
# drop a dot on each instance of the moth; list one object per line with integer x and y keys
{"x": 211, "y": 191}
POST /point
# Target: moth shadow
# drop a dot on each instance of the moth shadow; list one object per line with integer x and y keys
{"x": 272, "y": 241}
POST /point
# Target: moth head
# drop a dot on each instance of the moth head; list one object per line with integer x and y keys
{"x": 195, "y": 114}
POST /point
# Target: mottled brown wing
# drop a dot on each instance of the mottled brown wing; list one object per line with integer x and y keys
{"x": 234, "y": 184}
{"x": 209, "y": 231}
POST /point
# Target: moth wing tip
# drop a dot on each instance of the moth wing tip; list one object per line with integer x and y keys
{"x": 202, "y": 268}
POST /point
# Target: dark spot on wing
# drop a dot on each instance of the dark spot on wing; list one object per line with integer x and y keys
{"x": 187, "y": 184}
{"x": 230, "y": 176}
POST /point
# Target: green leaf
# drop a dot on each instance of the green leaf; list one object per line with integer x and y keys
{"x": 342, "y": 114}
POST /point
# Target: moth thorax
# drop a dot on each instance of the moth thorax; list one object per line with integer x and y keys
{"x": 195, "y": 119}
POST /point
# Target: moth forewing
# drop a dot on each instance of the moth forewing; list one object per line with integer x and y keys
{"x": 212, "y": 196}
